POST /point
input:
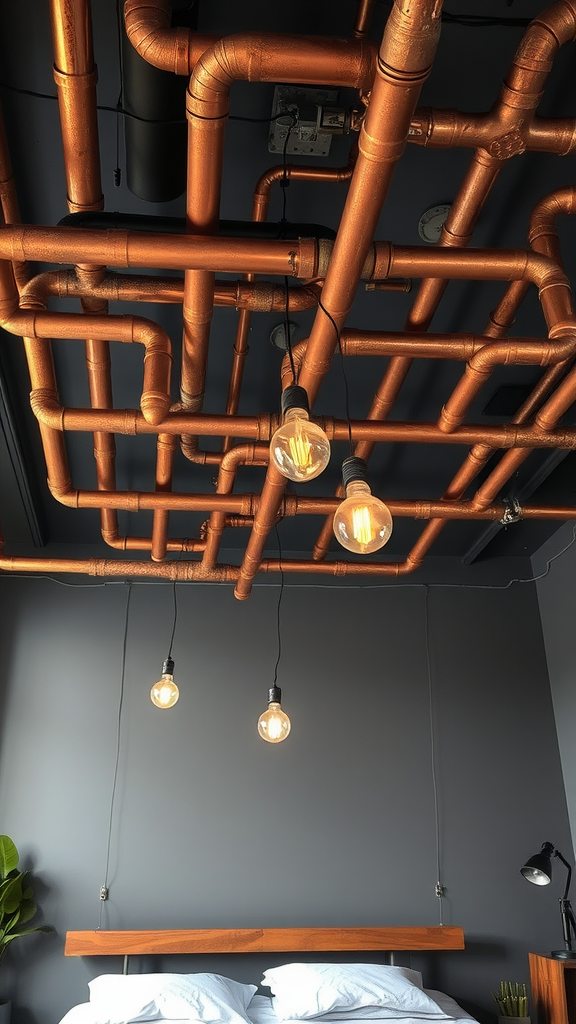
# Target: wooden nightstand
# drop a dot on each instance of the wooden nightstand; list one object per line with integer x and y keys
{"x": 553, "y": 984}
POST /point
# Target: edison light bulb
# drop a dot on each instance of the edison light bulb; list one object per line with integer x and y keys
{"x": 165, "y": 693}
{"x": 299, "y": 449}
{"x": 274, "y": 724}
{"x": 362, "y": 522}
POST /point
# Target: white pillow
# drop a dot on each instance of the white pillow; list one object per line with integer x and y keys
{"x": 210, "y": 998}
{"x": 301, "y": 991}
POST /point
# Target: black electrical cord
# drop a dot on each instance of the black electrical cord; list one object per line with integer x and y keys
{"x": 344, "y": 377}
{"x": 479, "y": 20}
{"x": 280, "y": 595}
{"x": 287, "y": 331}
{"x": 118, "y": 109}
{"x": 175, "y": 617}
{"x": 104, "y": 889}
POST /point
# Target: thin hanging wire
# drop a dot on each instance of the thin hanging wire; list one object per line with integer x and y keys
{"x": 104, "y": 889}
{"x": 344, "y": 377}
{"x": 284, "y": 183}
{"x": 278, "y": 630}
{"x": 175, "y": 618}
{"x": 285, "y": 180}
{"x": 117, "y": 173}
{"x": 439, "y": 887}
{"x": 287, "y": 331}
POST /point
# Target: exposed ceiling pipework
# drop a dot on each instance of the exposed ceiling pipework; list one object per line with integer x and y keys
{"x": 324, "y": 273}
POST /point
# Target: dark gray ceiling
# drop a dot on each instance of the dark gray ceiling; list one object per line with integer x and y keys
{"x": 470, "y": 66}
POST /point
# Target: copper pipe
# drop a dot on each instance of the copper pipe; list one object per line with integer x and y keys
{"x": 165, "y": 448}
{"x": 404, "y": 62}
{"x": 446, "y": 129}
{"x": 261, "y": 427}
{"x": 171, "y": 49}
{"x": 246, "y": 454}
{"x": 187, "y": 571}
{"x": 155, "y": 400}
{"x": 364, "y": 16}
{"x": 119, "y": 248}
{"x": 75, "y": 76}
{"x": 251, "y": 57}
{"x": 544, "y": 239}
{"x": 481, "y": 366}
{"x": 260, "y": 297}
{"x": 145, "y": 544}
{"x": 9, "y": 201}
{"x": 260, "y": 205}
{"x": 512, "y": 116}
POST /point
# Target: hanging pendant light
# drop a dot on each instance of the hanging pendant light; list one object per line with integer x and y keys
{"x": 165, "y": 693}
{"x": 274, "y": 724}
{"x": 299, "y": 448}
{"x": 362, "y": 522}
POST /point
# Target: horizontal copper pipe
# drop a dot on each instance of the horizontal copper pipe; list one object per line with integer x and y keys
{"x": 446, "y": 129}
{"x": 155, "y": 401}
{"x": 261, "y": 428}
{"x": 119, "y": 248}
{"x": 260, "y": 297}
{"x": 185, "y": 571}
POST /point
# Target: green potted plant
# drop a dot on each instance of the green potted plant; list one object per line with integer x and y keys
{"x": 512, "y": 1003}
{"x": 17, "y": 906}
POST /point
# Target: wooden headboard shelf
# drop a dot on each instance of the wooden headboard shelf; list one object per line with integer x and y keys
{"x": 260, "y": 940}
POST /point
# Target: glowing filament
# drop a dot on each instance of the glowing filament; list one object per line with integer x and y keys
{"x": 362, "y": 526}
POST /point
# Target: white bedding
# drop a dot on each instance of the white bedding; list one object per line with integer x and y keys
{"x": 260, "y": 1012}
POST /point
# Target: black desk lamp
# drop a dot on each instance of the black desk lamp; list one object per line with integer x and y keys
{"x": 539, "y": 871}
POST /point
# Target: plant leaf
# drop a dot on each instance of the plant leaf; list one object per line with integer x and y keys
{"x": 9, "y": 856}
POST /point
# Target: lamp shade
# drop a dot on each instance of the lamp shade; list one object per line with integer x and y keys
{"x": 538, "y": 869}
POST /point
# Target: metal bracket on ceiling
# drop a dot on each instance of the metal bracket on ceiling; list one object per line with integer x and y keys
{"x": 512, "y": 511}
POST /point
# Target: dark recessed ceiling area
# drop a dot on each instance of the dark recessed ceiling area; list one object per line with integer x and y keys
{"x": 142, "y": 143}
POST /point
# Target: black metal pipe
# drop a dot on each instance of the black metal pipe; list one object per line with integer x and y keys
{"x": 177, "y": 225}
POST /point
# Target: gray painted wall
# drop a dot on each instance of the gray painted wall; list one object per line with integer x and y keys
{"x": 213, "y": 827}
{"x": 556, "y": 597}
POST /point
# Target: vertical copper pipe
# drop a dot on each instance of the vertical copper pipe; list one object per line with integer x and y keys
{"x": 404, "y": 62}
{"x": 165, "y": 448}
{"x": 261, "y": 203}
{"x": 245, "y": 454}
{"x": 261, "y": 58}
{"x": 363, "y": 22}
{"x": 9, "y": 200}
{"x": 75, "y": 76}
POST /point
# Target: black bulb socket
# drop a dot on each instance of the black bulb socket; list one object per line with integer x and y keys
{"x": 354, "y": 468}
{"x": 294, "y": 397}
{"x": 274, "y": 695}
{"x": 168, "y": 667}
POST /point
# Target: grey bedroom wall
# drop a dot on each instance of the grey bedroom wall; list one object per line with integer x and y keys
{"x": 556, "y": 597}
{"x": 213, "y": 827}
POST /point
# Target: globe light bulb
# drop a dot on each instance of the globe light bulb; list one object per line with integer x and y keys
{"x": 165, "y": 693}
{"x": 362, "y": 522}
{"x": 299, "y": 448}
{"x": 274, "y": 725}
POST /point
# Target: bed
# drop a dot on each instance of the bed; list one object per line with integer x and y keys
{"x": 297, "y": 991}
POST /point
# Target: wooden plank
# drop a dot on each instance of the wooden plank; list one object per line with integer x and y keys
{"x": 260, "y": 940}
{"x": 548, "y": 978}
